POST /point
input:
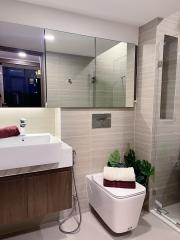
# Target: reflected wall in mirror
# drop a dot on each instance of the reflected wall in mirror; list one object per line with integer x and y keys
{"x": 21, "y": 66}
{"x": 70, "y": 69}
{"x": 115, "y": 74}
{"x": 85, "y": 71}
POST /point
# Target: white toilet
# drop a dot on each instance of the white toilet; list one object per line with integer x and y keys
{"x": 119, "y": 208}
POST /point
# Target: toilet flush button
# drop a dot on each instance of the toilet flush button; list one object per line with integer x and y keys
{"x": 101, "y": 120}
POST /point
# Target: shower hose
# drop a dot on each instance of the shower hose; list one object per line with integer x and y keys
{"x": 75, "y": 206}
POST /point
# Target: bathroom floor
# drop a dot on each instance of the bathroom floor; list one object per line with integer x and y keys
{"x": 149, "y": 228}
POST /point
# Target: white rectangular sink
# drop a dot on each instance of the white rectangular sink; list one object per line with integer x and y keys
{"x": 33, "y": 150}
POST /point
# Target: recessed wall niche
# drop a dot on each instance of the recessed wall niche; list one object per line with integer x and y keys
{"x": 168, "y": 85}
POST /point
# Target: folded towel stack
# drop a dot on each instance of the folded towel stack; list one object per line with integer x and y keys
{"x": 9, "y": 132}
{"x": 119, "y": 177}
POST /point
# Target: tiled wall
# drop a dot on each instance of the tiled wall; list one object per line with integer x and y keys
{"x": 114, "y": 75}
{"x": 61, "y": 68}
{"x": 39, "y": 120}
{"x": 144, "y": 114}
{"x": 158, "y": 140}
{"x": 111, "y": 72}
{"x": 153, "y": 139}
{"x": 93, "y": 146}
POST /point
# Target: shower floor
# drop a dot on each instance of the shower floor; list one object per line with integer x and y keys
{"x": 172, "y": 216}
{"x": 174, "y": 211}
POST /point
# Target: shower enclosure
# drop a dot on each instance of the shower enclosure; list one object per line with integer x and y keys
{"x": 166, "y": 139}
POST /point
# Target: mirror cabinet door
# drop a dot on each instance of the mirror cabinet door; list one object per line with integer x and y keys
{"x": 84, "y": 71}
{"x": 21, "y": 66}
{"x": 115, "y": 73}
{"x": 70, "y": 69}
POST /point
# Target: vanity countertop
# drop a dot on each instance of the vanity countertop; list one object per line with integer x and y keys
{"x": 32, "y": 169}
{"x": 33, "y": 153}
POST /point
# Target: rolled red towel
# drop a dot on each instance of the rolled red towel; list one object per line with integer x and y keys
{"x": 119, "y": 184}
{"x": 9, "y": 132}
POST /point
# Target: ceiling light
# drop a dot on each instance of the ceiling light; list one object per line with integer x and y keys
{"x": 49, "y": 37}
{"x": 22, "y": 54}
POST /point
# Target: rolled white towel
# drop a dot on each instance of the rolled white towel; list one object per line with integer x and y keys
{"x": 119, "y": 174}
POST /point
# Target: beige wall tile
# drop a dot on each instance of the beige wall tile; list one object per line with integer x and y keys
{"x": 93, "y": 146}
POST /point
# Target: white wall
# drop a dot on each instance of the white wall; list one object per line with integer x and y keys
{"x": 39, "y": 120}
{"x": 39, "y": 16}
{"x": 93, "y": 146}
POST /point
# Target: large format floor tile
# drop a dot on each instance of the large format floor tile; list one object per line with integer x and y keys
{"x": 149, "y": 228}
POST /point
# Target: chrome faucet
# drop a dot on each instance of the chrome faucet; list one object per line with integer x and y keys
{"x": 23, "y": 124}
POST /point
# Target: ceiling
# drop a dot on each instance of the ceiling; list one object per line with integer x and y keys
{"x": 68, "y": 43}
{"x": 14, "y": 56}
{"x": 21, "y": 37}
{"x": 135, "y": 12}
{"x": 76, "y": 44}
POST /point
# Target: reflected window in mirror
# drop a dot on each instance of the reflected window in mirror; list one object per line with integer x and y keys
{"x": 21, "y": 66}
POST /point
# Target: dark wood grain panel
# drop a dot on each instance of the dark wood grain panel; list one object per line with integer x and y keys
{"x": 59, "y": 191}
{"x": 34, "y": 197}
{"x": 13, "y": 200}
{"x": 37, "y": 195}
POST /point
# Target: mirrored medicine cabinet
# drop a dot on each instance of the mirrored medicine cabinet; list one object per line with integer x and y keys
{"x": 42, "y": 67}
{"x": 91, "y": 72}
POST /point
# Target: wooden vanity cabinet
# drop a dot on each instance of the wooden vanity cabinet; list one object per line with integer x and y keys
{"x": 29, "y": 196}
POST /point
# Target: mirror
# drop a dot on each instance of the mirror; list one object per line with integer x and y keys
{"x": 115, "y": 73}
{"x": 70, "y": 69}
{"x": 21, "y": 66}
{"x": 81, "y": 71}
{"x": 85, "y": 71}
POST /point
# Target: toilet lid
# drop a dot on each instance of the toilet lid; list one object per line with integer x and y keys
{"x": 118, "y": 192}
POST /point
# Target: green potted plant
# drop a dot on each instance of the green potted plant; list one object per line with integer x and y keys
{"x": 115, "y": 159}
{"x": 143, "y": 169}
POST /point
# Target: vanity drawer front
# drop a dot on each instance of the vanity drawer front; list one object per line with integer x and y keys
{"x": 13, "y": 200}
{"x": 37, "y": 195}
{"x": 59, "y": 191}
{"x": 49, "y": 192}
